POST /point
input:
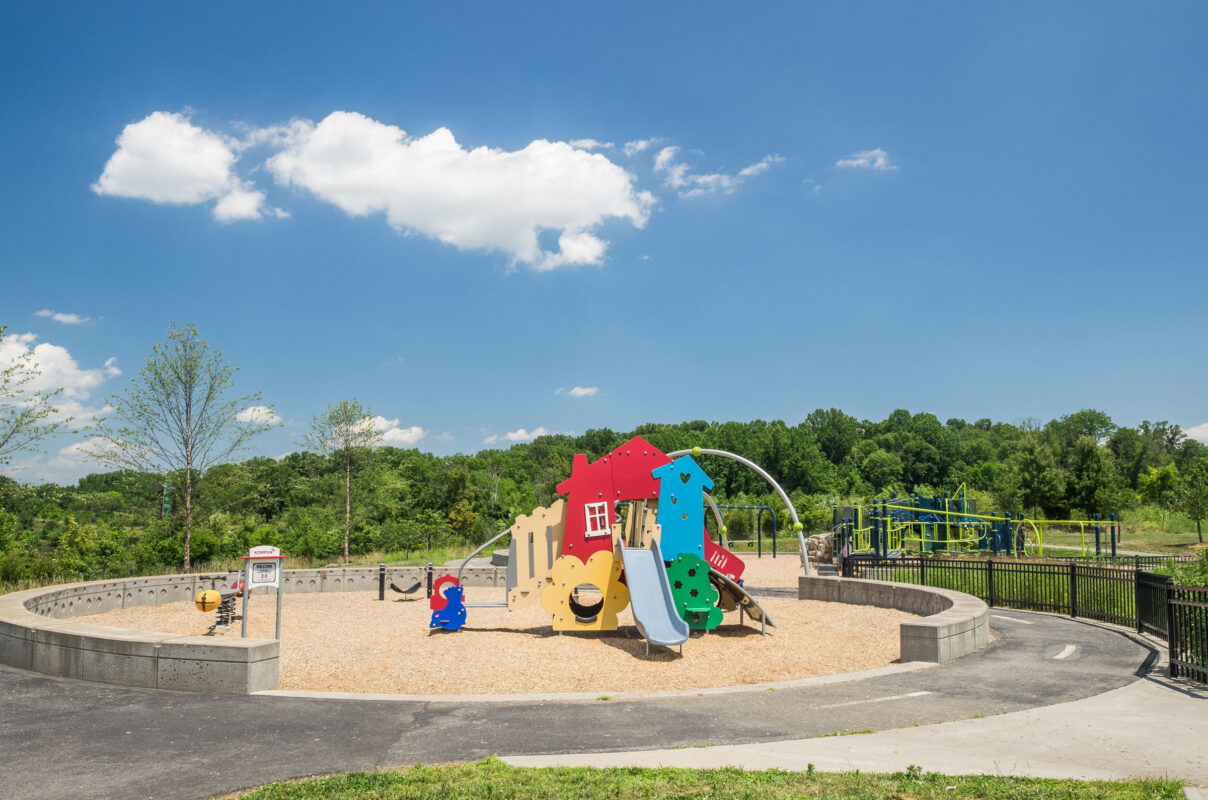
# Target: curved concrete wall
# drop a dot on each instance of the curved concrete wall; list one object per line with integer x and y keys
{"x": 34, "y": 635}
{"x": 953, "y": 624}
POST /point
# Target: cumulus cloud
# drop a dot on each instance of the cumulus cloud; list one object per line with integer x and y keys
{"x": 1198, "y": 432}
{"x": 579, "y": 391}
{"x": 518, "y": 435}
{"x": 474, "y": 199}
{"x": 590, "y": 144}
{"x": 65, "y": 319}
{"x": 58, "y": 369}
{"x": 679, "y": 176}
{"x": 67, "y": 466}
{"x": 637, "y": 146}
{"x": 395, "y": 436}
{"x": 877, "y": 160}
{"x": 261, "y": 414}
{"x": 165, "y": 158}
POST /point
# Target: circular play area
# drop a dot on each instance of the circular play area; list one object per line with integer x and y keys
{"x": 614, "y": 587}
{"x": 352, "y": 642}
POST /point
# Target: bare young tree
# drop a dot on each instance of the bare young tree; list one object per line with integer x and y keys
{"x": 27, "y": 416}
{"x": 175, "y": 416}
{"x": 340, "y": 429}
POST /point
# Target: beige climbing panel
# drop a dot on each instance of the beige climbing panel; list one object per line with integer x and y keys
{"x": 538, "y": 543}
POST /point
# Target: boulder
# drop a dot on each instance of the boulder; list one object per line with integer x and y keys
{"x": 821, "y": 548}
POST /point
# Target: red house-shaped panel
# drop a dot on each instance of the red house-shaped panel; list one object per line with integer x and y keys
{"x": 594, "y": 488}
{"x": 631, "y": 466}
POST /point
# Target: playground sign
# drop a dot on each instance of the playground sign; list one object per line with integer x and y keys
{"x": 262, "y": 568}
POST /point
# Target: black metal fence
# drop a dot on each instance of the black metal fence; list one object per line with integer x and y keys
{"x": 1118, "y": 593}
{"x": 1152, "y": 601}
{"x": 1188, "y": 613}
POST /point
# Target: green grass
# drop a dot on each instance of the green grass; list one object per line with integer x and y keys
{"x": 492, "y": 778}
{"x": 1140, "y": 539}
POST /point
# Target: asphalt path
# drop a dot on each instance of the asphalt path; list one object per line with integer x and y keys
{"x": 70, "y": 739}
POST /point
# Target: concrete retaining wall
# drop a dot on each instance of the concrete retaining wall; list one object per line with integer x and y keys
{"x": 953, "y": 624}
{"x": 35, "y": 636}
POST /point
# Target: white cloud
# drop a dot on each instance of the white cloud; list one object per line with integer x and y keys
{"x": 57, "y": 370}
{"x": 521, "y": 435}
{"x": 241, "y": 203}
{"x": 679, "y": 176}
{"x": 395, "y": 436}
{"x": 761, "y": 166}
{"x": 262, "y": 414}
{"x": 479, "y": 199}
{"x": 876, "y": 159}
{"x": 66, "y": 319}
{"x": 638, "y": 145}
{"x": 580, "y": 391}
{"x": 1199, "y": 432}
{"x": 590, "y": 144}
{"x": 813, "y": 185}
{"x": 165, "y": 158}
{"x": 444, "y": 437}
{"x": 518, "y": 435}
{"x": 67, "y": 466}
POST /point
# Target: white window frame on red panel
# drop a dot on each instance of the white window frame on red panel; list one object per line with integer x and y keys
{"x": 598, "y": 511}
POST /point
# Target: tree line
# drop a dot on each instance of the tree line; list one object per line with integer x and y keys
{"x": 344, "y": 494}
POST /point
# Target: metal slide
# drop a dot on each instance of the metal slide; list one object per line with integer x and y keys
{"x": 650, "y": 595}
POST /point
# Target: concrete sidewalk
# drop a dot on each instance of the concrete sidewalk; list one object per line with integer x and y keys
{"x": 1153, "y": 727}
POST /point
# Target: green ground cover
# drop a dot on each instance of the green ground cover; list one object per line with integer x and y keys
{"x": 492, "y": 778}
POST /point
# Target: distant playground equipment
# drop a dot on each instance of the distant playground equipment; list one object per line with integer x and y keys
{"x": 630, "y": 532}
{"x": 952, "y": 524}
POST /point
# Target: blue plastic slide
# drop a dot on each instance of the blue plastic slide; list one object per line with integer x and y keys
{"x": 650, "y": 595}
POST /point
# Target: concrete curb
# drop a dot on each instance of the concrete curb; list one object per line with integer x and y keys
{"x": 561, "y": 697}
{"x": 953, "y": 624}
{"x": 34, "y": 637}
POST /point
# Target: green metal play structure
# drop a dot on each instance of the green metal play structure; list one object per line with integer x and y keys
{"x": 951, "y": 524}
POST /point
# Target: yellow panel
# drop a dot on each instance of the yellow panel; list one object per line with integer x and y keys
{"x": 532, "y": 576}
{"x": 602, "y": 570}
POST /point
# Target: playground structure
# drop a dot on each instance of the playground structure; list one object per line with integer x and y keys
{"x": 630, "y": 533}
{"x": 952, "y": 524}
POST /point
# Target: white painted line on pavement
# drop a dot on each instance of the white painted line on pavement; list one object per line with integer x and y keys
{"x": 1011, "y": 619}
{"x": 1066, "y": 652}
{"x": 876, "y": 700}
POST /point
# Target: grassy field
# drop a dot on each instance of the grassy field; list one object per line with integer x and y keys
{"x": 1139, "y": 538}
{"x": 492, "y": 778}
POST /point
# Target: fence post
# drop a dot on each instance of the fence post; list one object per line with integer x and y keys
{"x": 1096, "y": 536}
{"x": 1073, "y": 589}
{"x": 1172, "y": 635}
{"x": 922, "y": 570}
{"x": 990, "y": 582}
{"x": 1114, "y": 534}
{"x": 1137, "y": 597}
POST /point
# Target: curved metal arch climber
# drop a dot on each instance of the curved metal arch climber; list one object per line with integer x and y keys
{"x": 797, "y": 526}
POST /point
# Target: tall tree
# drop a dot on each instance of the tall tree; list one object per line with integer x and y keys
{"x": 835, "y": 431}
{"x": 341, "y": 429}
{"x": 27, "y": 415}
{"x": 1040, "y": 481}
{"x": 1195, "y": 494}
{"x": 175, "y": 416}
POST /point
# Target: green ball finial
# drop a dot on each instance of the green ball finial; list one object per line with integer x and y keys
{"x": 696, "y": 452}
{"x": 797, "y": 526}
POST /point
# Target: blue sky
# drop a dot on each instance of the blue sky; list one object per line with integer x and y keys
{"x": 978, "y": 210}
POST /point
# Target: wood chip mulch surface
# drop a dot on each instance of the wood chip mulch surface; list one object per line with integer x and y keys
{"x": 351, "y": 642}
